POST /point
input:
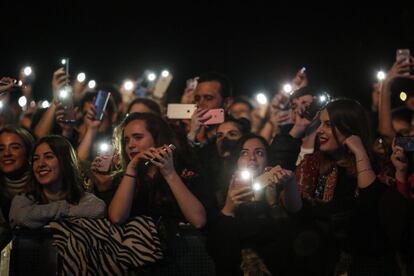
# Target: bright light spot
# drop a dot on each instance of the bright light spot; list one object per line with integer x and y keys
{"x": 20, "y": 83}
{"x": 63, "y": 61}
{"x": 403, "y": 96}
{"x": 151, "y": 77}
{"x": 128, "y": 85}
{"x": 91, "y": 84}
{"x": 165, "y": 73}
{"x": 322, "y": 98}
{"x": 63, "y": 93}
{"x": 381, "y": 75}
{"x": 245, "y": 175}
{"x": 287, "y": 88}
{"x": 27, "y": 71}
{"x": 45, "y": 104}
{"x": 1, "y": 104}
{"x": 104, "y": 147}
{"x": 22, "y": 101}
{"x": 261, "y": 98}
{"x": 81, "y": 77}
{"x": 257, "y": 186}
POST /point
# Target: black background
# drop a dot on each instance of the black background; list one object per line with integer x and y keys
{"x": 257, "y": 45}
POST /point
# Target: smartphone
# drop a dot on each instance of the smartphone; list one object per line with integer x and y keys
{"x": 217, "y": 116}
{"x": 64, "y": 62}
{"x": 180, "y": 111}
{"x": 101, "y": 101}
{"x": 161, "y": 86}
{"x": 65, "y": 98}
{"x": 243, "y": 178}
{"x": 406, "y": 142}
{"x": 106, "y": 152}
{"x": 403, "y": 54}
{"x": 149, "y": 162}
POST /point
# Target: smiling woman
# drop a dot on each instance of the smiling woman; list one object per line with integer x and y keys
{"x": 15, "y": 147}
{"x": 56, "y": 191}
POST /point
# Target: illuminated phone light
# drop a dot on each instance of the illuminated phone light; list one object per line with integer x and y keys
{"x": 151, "y": 77}
{"x": 45, "y": 104}
{"x": 403, "y": 96}
{"x": 20, "y": 83}
{"x": 92, "y": 84}
{"x": 63, "y": 61}
{"x": 81, "y": 77}
{"x": 128, "y": 85}
{"x": 63, "y": 93}
{"x": 261, "y": 98}
{"x": 27, "y": 71}
{"x": 245, "y": 175}
{"x": 1, "y": 104}
{"x": 104, "y": 147}
{"x": 381, "y": 75}
{"x": 22, "y": 101}
{"x": 257, "y": 186}
{"x": 165, "y": 73}
{"x": 322, "y": 98}
{"x": 287, "y": 88}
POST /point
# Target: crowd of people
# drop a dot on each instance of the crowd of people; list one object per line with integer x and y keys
{"x": 299, "y": 186}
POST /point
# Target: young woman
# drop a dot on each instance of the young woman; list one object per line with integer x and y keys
{"x": 248, "y": 229}
{"x": 15, "y": 148}
{"x": 164, "y": 187}
{"x": 56, "y": 190}
{"x": 339, "y": 196}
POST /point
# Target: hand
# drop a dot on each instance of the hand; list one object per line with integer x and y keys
{"x": 89, "y": 118}
{"x": 59, "y": 79}
{"x": 354, "y": 144}
{"x": 300, "y": 79}
{"x": 236, "y": 195}
{"x": 398, "y": 158}
{"x": 133, "y": 163}
{"x": 188, "y": 96}
{"x": 163, "y": 159}
{"x": 197, "y": 120}
{"x": 6, "y": 84}
{"x": 399, "y": 70}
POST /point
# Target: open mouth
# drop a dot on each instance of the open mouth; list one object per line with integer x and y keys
{"x": 8, "y": 161}
{"x": 43, "y": 172}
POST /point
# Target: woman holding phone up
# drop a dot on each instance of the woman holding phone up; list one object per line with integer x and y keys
{"x": 250, "y": 233}
{"x": 156, "y": 181}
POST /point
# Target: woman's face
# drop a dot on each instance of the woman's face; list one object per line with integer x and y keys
{"x": 137, "y": 138}
{"x": 327, "y": 140}
{"x": 46, "y": 166}
{"x": 253, "y": 157}
{"x": 12, "y": 153}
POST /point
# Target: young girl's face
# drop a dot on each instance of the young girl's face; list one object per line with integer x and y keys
{"x": 12, "y": 153}
{"x": 46, "y": 166}
{"x": 328, "y": 142}
{"x": 253, "y": 156}
{"x": 137, "y": 138}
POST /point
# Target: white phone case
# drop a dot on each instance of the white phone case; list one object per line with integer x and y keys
{"x": 180, "y": 111}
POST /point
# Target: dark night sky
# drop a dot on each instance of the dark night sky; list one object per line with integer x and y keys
{"x": 256, "y": 46}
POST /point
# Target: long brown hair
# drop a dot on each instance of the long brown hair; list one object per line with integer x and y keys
{"x": 69, "y": 168}
{"x": 350, "y": 118}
